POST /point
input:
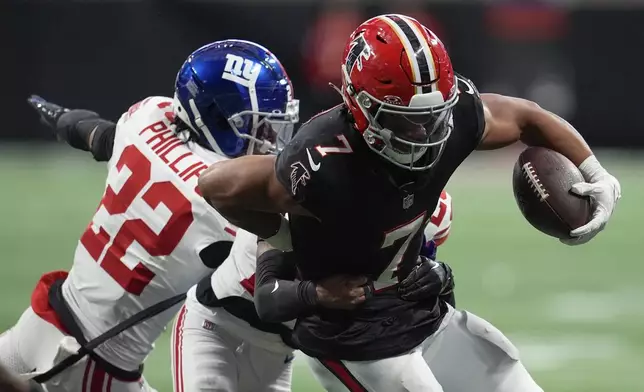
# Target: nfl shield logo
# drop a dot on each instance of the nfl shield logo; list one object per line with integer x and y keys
{"x": 408, "y": 201}
{"x": 208, "y": 325}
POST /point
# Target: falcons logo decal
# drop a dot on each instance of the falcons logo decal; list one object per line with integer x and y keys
{"x": 359, "y": 50}
{"x": 299, "y": 175}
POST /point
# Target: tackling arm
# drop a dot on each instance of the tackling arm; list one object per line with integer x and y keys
{"x": 278, "y": 297}
{"x": 247, "y": 193}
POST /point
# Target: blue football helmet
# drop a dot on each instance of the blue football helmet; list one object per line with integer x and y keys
{"x": 236, "y": 96}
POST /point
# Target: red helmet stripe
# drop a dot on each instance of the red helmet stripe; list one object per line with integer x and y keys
{"x": 420, "y": 49}
{"x": 391, "y": 20}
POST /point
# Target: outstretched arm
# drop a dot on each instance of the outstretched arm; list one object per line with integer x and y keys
{"x": 509, "y": 120}
{"x": 81, "y": 129}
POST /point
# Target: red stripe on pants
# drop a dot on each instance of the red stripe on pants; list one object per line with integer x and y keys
{"x": 342, "y": 373}
{"x": 98, "y": 378}
{"x": 178, "y": 343}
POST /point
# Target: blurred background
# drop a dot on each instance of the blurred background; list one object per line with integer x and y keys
{"x": 577, "y": 314}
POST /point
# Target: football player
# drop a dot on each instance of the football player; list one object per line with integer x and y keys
{"x": 359, "y": 181}
{"x": 153, "y": 236}
{"x": 221, "y": 344}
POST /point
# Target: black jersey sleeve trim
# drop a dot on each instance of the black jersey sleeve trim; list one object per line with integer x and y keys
{"x": 466, "y": 86}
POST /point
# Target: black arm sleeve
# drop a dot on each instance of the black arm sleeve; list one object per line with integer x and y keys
{"x": 76, "y": 126}
{"x": 277, "y": 297}
{"x": 103, "y": 141}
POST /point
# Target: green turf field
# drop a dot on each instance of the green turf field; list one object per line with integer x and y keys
{"x": 577, "y": 314}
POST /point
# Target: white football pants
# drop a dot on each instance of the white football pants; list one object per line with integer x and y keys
{"x": 214, "y": 351}
{"x": 33, "y": 346}
{"x": 465, "y": 354}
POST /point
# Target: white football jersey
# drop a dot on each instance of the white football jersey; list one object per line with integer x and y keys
{"x": 236, "y": 275}
{"x": 143, "y": 243}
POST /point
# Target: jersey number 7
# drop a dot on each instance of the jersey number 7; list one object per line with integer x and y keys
{"x": 406, "y": 231}
{"x": 134, "y": 280}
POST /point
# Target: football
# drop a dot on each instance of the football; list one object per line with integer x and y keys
{"x": 542, "y": 180}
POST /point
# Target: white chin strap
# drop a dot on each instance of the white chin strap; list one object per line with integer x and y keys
{"x": 204, "y": 129}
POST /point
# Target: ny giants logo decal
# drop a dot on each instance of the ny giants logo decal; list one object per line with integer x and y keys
{"x": 299, "y": 175}
{"x": 358, "y": 51}
{"x": 241, "y": 71}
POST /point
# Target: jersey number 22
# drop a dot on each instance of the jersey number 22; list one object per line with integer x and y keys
{"x": 134, "y": 280}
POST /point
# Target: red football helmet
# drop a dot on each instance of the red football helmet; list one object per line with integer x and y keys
{"x": 400, "y": 87}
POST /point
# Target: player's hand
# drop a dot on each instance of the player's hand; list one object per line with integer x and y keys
{"x": 343, "y": 291}
{"x": 604, "y": 190}
{"x": 49, "y": 112}
{"x": 428, "y": 279}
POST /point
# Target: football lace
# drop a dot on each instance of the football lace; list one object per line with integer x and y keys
{"x": 534, "y": 181}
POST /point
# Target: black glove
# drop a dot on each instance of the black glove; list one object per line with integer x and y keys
{"x": 49, "y": 112}
{"x": 66, "y": 124}
{"x": 428, "y": 279}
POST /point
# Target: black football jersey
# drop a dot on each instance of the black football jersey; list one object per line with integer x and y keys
{"x": 369, "y": 221}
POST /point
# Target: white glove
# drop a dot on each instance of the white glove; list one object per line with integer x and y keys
{"x": 604, "y": 191}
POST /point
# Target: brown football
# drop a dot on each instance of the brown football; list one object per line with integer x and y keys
{"x": 542, "y": 180}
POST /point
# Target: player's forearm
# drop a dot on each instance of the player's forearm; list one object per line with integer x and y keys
{"x": 239, "y": 189}
{"x": 265, "y": 225}
{"x": 290, "y": 301}
{"x": 85, "y": 130}
{"x": 278, "y": 298}
{"x": 545, "y": 129}
{"x": 239, "y": 184}
{"x": 509, "y": 119}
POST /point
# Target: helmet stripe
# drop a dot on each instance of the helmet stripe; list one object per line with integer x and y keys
{"x": 427, "y": 52}
{"x": 420, "y": 49}
{"x": 396, "y": 23}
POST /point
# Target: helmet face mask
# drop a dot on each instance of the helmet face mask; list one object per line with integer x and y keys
{"x": 270, "y": 132}
{"x": 405, "y": 135}
{"x": 400, "y": 87}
